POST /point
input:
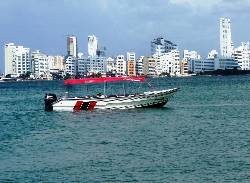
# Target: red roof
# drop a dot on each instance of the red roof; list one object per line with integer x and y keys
{"x": 102, "y": 80}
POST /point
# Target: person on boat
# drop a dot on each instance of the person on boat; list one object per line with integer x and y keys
{"x": 99, "y": 95}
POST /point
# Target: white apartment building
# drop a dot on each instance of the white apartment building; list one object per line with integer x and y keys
{"x": 97, "y": 64}
{"x": 91, "y": 65}
{"x": 92, "y": 45}
{"x": 70, "y": 65}
{"x": 83, "y": 64}
{"x": 131, "y": 56}
{"x": 168, "y": 63}
{"x": 187, "y": 55}
{"x": 226, "y": 44}
{"x": 111, "y": 65}
{"x": 40, "y": 65}
{"x": 242, "y": 56}
{"x": 50, "y": 62}
{"x": 139, "y": 66}
{"x": 120, "y": 65}
{"x": 17, "y": 60}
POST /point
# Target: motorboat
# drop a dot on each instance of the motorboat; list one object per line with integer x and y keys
{"x": 3, "y": 79}
{"x": 149, "y": 99}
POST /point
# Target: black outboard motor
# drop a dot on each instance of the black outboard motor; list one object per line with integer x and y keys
{"x": 49, "y": 99}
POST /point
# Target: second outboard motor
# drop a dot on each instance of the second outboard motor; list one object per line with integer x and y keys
{"x": 49, "y": 99}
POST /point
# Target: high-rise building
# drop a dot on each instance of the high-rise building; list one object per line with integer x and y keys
{"x": 226, "y": 44}
{"x": 160, "y": 46}
{"x": 92, "y": 45}
{"x": 17, "y": 59}
{"x": 72, "y": 49}
{"x": 9, "y": 61}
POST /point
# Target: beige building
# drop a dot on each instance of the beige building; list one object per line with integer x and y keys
{"x": 131, "y": 62}
{"x": 149, "y": 66}
{"x": 59, "y": 63}
{"x": 184, "y": 67}
{"x": 131, "y": 68}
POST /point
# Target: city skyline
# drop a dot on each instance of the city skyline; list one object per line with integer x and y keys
{"x": 120, "y": 25}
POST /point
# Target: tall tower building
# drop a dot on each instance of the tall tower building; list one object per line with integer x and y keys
{"x": 9, "y": 60}
{"x": 92, "y": 45}
{"x": 72, "y": 46}
{"x": 226, "y": 44}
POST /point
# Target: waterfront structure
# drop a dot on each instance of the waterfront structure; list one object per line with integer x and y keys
{"x": 149, "y": 66}
{"x": 120, "y": 65}
{"x": 72, "y": 47}
{"x": 212, "y": 55}
{"x": 168, "y": 63}
{"x": 201, "y": 65}
{"x": 226, "y": 44}
{"x": 17, "y": 60}
{"x": 92, "y": 45}
{"x": 139, "y": 66}
{"x": 242, "y": 56}
{"x": 190, "y": 55}
{"x": 160, "y": 46}
{"x": 131, "y": 63}
{"x": 226, "y": 64}
{"x": 40, "y": 66}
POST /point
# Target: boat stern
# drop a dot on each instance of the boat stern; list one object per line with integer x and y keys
{"x": 49, "y": 99}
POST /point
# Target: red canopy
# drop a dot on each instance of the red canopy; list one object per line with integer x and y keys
{"x": 102, "y": 80}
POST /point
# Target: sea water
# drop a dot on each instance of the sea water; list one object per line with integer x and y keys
{"x": 201, "y": 135}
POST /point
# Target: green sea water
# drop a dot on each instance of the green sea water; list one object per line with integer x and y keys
{"x": 201, "y": 135}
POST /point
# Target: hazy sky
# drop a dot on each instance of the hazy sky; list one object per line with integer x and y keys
{"x": 120, "y": 25}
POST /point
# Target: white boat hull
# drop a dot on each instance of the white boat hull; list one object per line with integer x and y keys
{"x": 147, "y": 99}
